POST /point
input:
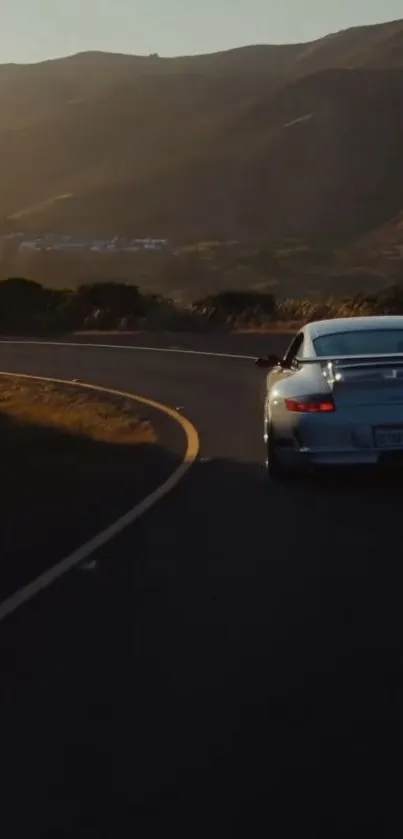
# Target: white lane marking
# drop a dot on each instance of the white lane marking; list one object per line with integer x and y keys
{"x": 127, "y": 347}
{"x": 8, "y": 606}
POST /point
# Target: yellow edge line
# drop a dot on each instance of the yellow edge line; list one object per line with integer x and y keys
{"x": 8, "y": 606}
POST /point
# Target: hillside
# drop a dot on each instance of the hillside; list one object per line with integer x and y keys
{"x": 251, "y": 144}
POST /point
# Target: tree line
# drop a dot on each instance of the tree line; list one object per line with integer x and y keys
{"x": 29, "y": 307}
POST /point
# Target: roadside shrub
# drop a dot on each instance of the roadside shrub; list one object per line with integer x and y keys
{"x": 117, "y": 298}
{"x": 236, "y": 306}
{"x": 28, "y": 307}
{"x": 388, "y": 301}
{"x": 21, "y": 302}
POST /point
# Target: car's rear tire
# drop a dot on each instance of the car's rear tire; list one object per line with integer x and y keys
{"x": 274, "y": 467}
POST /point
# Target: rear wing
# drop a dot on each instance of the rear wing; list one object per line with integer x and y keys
{"x": 381, "y": 360}
{"x": 344, "y": 367}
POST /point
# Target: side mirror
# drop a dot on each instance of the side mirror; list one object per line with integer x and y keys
{"x": 268, "y": 361}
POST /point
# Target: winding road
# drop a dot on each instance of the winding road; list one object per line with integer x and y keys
{"x": 254, "y": 643}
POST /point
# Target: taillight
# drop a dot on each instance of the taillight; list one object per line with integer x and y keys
{"x": 310, "y": 405}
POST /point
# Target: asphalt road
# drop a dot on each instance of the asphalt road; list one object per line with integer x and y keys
{"x": 253, "y": 641}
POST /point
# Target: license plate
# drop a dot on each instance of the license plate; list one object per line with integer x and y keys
{"x": 389, "y": 438}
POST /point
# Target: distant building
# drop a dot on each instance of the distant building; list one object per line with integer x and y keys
{"x": 68, "y": 243}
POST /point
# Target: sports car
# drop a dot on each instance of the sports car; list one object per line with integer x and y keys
{"x": 336, "y": 398}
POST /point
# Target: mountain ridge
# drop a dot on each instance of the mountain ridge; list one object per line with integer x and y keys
{"x": 257, "y": 142}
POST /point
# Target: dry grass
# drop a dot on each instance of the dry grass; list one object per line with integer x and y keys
{"x": 74, "y": 410}
{"x": 73, "y": 461}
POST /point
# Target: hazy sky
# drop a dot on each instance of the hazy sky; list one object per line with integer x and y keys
{"x": 31, "y": 30}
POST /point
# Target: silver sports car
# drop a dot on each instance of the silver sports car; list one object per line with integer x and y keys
{"x": 337, "y": 395}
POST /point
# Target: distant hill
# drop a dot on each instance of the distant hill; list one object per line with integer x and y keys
{"x": 256, "y": 143}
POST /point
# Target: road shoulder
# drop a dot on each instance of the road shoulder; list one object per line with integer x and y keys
{"x": 63, "y": 487}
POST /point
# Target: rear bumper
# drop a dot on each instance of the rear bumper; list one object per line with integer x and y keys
{"x": 338, "y": 458}
{"x": 342, "y": 438}
{"x": 303, "y": 458}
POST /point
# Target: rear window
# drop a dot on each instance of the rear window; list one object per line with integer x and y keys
{"x": 363, "y": 342}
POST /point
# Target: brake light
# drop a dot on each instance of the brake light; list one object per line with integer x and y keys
{"x": 310, "y": 405}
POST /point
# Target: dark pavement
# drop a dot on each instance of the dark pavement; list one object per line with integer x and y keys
{"x": 234, "y": 667}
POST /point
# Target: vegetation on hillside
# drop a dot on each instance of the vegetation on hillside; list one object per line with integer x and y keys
{"x": 29, "y": 308}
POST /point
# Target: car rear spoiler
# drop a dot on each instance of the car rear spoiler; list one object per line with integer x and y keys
{"x": 344, "y": 361}
{"x": 381, "y": 360}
